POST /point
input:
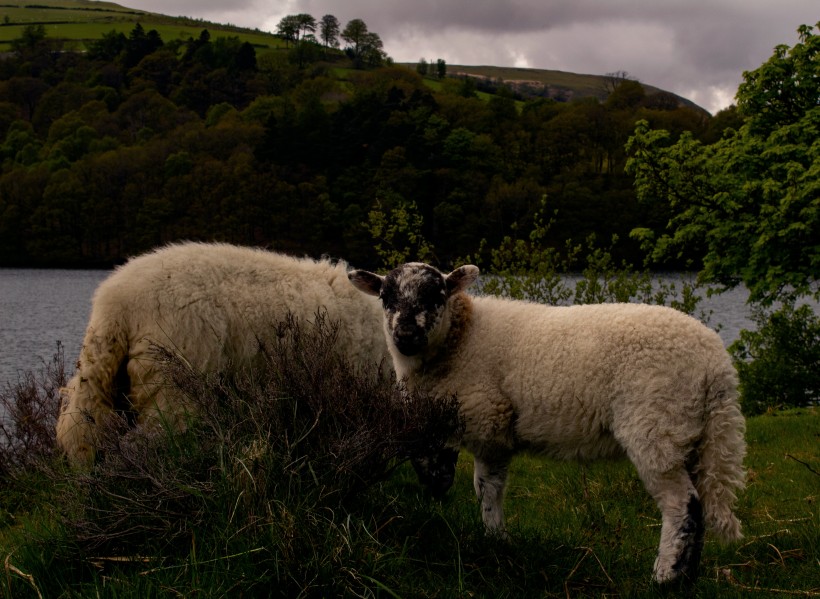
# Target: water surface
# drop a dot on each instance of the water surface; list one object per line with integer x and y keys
{"x": 39, "y": 308}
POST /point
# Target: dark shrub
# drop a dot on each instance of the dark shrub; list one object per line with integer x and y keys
{"x": 28, "y": 414}
{"x": 300, "y": 430}
{"x": 779, "y": 363}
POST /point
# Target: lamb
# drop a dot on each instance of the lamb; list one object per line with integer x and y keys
{"x": 207, "y": 302}
{"x": 580, "y": 382}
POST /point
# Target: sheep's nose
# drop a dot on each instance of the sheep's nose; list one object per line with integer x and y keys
{"x": 409, "y": 340}
{"x": 406, "y": 330}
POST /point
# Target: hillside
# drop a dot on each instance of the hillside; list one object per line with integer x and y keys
{"x": 116, "y": 143}
{"x": 559, "y": 85}
{"x": 79, "y": 21}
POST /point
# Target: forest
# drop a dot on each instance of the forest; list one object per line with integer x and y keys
{"x": 137, "y": 143}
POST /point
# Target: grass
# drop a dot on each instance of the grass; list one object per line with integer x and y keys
{"x": 78, "y": 22}
{"x": 78, "y": 34}
{"x": 221, "y": 522}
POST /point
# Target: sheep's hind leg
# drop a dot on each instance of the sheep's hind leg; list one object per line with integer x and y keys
{"x": 489, "y": 480}
{"x": 682, "y": 527}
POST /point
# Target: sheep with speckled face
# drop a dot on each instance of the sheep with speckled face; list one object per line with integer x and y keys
{"x": 578, "y": 382}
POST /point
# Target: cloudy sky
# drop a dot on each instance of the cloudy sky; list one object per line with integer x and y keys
{"x": 695, "y": 48}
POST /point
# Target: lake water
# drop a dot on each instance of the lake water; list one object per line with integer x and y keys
{"x": 39, "y": 308}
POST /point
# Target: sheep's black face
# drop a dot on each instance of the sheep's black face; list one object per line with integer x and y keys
{"x": 413, "y": 297}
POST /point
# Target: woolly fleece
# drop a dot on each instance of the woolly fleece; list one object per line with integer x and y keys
{"x": 579, "y": 382}
{"x": 207, "y": 303}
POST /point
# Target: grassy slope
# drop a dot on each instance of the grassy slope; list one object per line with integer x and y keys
{"x": 77, "y": 21}
{"x": 613, "y": 515}
{"x": 586, "y": 85}
{"x": 572, "y": 85}
{"x": 575, "y": 532}
{"x": 597, "y": 530}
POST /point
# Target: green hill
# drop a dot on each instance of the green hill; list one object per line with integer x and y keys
{"x": 559, "y": 85}
{"x": 147, "y": 138}
{"x": 76, "y": 22}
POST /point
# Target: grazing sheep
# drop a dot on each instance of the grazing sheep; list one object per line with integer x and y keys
{"x": 207, "y": 303}
{"x": 578, "y": 382}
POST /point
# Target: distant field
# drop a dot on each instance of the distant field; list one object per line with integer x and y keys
{"x": 78, "y": 22}
{"x": 588, "y": 84}
{"x": 576, "y": 85}
{"x": 563, "y": 83}
{"x": 71, "y": 11}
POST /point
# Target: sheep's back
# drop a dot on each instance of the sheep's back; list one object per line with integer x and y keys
{"x": 211, "y": 302}
{"x": 567, "y": 374}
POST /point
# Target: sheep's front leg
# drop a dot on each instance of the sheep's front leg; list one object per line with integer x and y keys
{"x": 81, "y": 413}
{"x": 489, "y": 480}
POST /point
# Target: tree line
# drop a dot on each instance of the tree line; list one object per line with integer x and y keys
{"x": 749, "y": 205}
{"x": 364, "y": 47}
{"x": 140, "y": 142}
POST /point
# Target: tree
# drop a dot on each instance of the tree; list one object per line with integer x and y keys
{"x": 307, "y": 25}
{"x": 31, "y": 37}
{"x": 785, "y": 87}
{"x": 140, "y": 44}
{"x": 372, "y": 52}
{"x": 614, "y": 79}
{"x": 364, "y": 47}
{"x": 329, "y": 29}
{"x": 108, "y": 47}
{"x": 296, "y": 27}
{"x": 627, "y": 95}
{"x": 36, "y": 49}
{"x": 441, "y": 68}
{"x": 750, "y": 203}
{"x": 288, "y": 28}
{"x": 245, "y": 59}
{"x": 354, "y": 34}
{"x": 423, "y": 67}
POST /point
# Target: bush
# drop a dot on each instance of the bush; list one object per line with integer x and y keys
{"x": 778, "y": 364}
{"x": 531, "y": 269}
{"x": 28, "y": 415}
{"x": 273, "y": 478}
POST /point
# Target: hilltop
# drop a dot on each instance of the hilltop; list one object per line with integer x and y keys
{"x": 558, "y": 85}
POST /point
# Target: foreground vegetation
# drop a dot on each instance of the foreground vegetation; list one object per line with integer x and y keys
{"x": 249, "y": 503}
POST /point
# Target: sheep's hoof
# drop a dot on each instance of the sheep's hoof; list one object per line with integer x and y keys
{"x": 675, "y": 577}
{"x": 437, "y": 471}
{"x": 499, "y": 534}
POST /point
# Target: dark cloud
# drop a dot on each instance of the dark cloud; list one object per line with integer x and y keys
{"x": 697, "y": 48}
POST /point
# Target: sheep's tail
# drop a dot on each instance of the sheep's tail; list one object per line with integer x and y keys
{"x": 719, "y": 472}
{"x": 92, "y": 392}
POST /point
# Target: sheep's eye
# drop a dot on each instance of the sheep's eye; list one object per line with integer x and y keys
{"x": 387, "y": 296}
{"x": 431, "y": 296}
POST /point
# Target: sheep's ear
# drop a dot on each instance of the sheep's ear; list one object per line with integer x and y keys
{"x": 366, "y": 282}
{"x": 461, "y": 278}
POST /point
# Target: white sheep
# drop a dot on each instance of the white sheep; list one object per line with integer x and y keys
{"x": 580, "y": 382}
{"x": 208, "y": 303}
